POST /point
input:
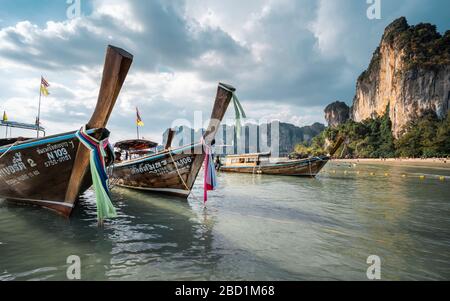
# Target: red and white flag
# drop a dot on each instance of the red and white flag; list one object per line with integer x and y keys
{"x": 44, "y": 82}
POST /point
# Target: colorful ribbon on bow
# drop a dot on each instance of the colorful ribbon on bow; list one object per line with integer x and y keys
{"x": 239, "y": 111}
{"x": 210, "y": 180}
{"x": 105, "y": 208}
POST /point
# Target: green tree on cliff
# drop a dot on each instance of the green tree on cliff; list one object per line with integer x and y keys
{"x": 425, "y": 137}
{"x": 421, "y": 140}
{"x": 387, "y": 147}
{"x": 443, "y": 137}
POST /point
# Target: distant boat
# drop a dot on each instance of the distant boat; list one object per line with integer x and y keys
{"x": 172, "y": 171}
{"x": 53, "y": 171}
{"x": 260, "y": 164}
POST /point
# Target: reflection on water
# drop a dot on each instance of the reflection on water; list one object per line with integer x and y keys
{"x": 254, "y": 228}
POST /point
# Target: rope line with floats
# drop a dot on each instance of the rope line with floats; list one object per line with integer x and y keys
{"x": 387, "y": 174}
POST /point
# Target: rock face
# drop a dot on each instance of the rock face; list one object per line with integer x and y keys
{"x": 337, "y": 113}
{"x": 409, "y": 74}
{"x": 278, "y": 138}
{"x": 291, "y": 135}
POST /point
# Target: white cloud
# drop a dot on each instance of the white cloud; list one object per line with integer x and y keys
{"x": 288, "y": 58}
{"x": 120, "y": 11}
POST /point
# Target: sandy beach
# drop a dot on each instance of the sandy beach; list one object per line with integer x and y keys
{"x": 438, "y": 162}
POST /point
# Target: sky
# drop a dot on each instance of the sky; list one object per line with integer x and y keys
{"x": 288, "y": 59}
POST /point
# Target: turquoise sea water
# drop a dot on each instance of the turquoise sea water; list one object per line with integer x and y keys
{"x": 254, "y": 227}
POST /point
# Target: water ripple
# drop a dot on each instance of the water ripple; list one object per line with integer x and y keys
{"x": 253, "y": 228}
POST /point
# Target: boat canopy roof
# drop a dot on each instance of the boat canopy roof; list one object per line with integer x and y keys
{"x": 135, "y": 145}
{"x": 19, "y": 125}
{"x": 258, "y": 155}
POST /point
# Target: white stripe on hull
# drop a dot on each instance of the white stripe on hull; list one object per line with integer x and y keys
{"x": 40, "y": 201}
{"x": 166, "y": 190}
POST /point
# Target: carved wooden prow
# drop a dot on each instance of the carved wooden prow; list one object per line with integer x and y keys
{"x": 170, "y": 136}
{"x": 115, "y": 70}
{"x": 223, "y": 98}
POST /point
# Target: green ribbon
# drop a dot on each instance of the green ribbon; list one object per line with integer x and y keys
{"x": 239, "y": 113}
{"x": 105, "y": 208}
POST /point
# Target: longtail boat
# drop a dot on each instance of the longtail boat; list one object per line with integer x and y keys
{"x": 172, "y": 171}
{"x": 53, "y": 171}
{"x": 260, "y": 164}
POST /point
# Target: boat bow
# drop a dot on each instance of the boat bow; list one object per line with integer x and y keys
{"x": 116, "y": 67}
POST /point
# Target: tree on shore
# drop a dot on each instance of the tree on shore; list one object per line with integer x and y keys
{"x": 425, "y": 137}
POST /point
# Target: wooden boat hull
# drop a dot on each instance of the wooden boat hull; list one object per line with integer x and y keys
{"x": 173, "y": 171}
{"x": 38, "y": 171}
{"x": 52, "y": 172}
{"x": 159, "y": 174}
{"x": 301, "y": 168}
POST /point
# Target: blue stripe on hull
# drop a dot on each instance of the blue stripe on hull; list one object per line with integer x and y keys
{"x": 156, "y": 157}
{"x": 42, "y": 141}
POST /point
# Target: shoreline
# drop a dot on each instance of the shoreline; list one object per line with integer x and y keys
{"x": 444, "y": 162}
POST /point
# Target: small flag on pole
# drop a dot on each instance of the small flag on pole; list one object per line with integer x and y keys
{"x": 5, "y": 117}
{"x": 44, "y": 87}
{"x": 44, "y": 82}
{"x": 139, "y": 121}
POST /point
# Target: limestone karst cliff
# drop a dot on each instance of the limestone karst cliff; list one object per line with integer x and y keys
{"x": 409, "y": 74}
{"x": 276, "y": 137}
{"x": 337, "y": 113}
